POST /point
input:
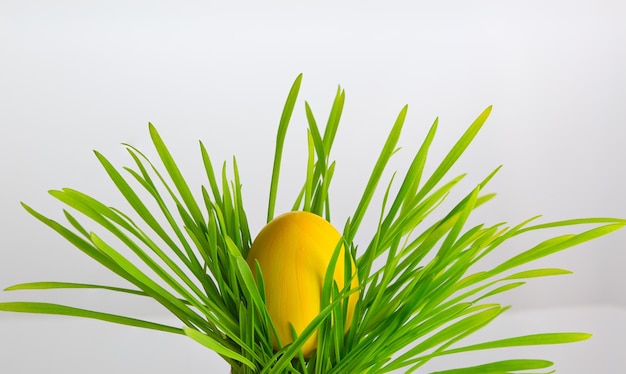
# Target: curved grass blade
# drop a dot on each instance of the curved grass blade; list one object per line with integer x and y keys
{"x": 379, "y": 167}
{"x": 333, "y": 120}
{"x": 308, "y": 191}
{"x": 280, "y": 141}
{"x": 61, "y": 285}
{"x": 69, "y": 285}
{"x": 500, "y": 367}
{"x": 537, "y": 273}
{"x": 210, "y": 172}
{"x": 317, "y": 138}
{"x": 572, "y": 222}
{"x": 48, "y": 308}
{"x": 74, "y": 222}
{"x": 526, "y": 340}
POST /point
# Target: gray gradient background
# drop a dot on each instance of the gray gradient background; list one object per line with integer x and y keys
{"x": 77, "y": 77}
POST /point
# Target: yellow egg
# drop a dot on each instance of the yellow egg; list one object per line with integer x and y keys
{"x": 294, "y": 251}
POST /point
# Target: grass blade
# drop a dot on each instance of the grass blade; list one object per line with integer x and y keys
{"x": 500, "y": 367}
{"x": 280, "y": 141}
{"x": 48, "y": 308}
{"x": 526, "y": 340}
{"x": 385, "y": 155}
{"x": 59, "y": 285}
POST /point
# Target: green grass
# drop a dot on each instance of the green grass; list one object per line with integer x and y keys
{"x": 188, "y": 254}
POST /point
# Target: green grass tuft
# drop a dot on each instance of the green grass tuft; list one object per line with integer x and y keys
{"x": 189, "y": 256}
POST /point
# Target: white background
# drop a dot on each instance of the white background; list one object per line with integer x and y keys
{"x": 76, "y": 76}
